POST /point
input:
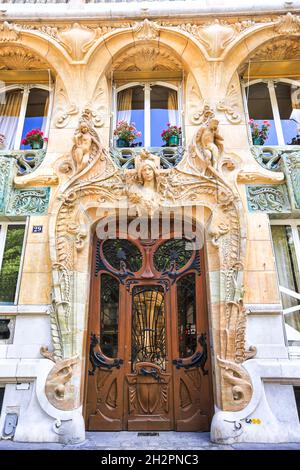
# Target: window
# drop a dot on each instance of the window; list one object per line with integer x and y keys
{"x": 276, "y": 101}
{"x": 286, "y": 242}
{"x": 22, "y": 108}
{"x": 11, "y": 249}
{"x": 2, "y": 390}
{"x": 150, "y": 106}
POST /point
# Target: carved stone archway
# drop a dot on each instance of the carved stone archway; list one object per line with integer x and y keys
{"x": 90, "y": 181}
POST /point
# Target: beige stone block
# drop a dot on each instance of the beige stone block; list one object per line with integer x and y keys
{"x": 61, "y": 139}
{"x": 119, "y": 41}
{"x": 38, "y": 237}
{"x": 177, "y": 42}
{"x": 259, "y": 256}
{"x": 258, "y": 226}
{"x": 235, "y": 136}
{"x": 37, "y": 258}
{"x": 212, "y": 257}
{"x": 261, "y": 287}
{"x": 35, "y": 288}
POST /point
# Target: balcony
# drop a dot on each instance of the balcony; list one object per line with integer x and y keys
{"x": 21, "y": 202}
{"x": 169, "y": 156}
{"x": 281, "y": 200}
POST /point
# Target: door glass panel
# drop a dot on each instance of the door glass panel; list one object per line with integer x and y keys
{"x": 36, "y": 112}
{"x": 288, "y": 115}
{"x": 11, "y": 262}
{"x": 109, "y": 313}
{"x": 186, "y": 305}
{"x": 164, "y": 109}
{"x": 172, "y": 255}
{"x": 130, "y": 104}
{"x": 148, "y": 326}
{"x": 122, "y": 255}
{"x": 260, "y": 109}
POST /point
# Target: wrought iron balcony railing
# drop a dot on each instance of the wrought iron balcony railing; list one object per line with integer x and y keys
{"x": 271, "y": 157}
{"x": 169, "y": 156}
{"x": 26, "y": 160}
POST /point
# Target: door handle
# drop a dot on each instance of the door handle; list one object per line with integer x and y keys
{"x": 152, "y": 372}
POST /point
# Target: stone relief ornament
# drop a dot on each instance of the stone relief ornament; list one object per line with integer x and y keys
{"x": 9, "y": 32}
{"x": 64, "y": 109}
{"x": 78, "y": 39}
{"x": 146, "y": 30}
{"x": 143, "y": 183}
{"x": 268, "y": 198}
{"x": 33, "y": 201}
{"x": 59, "y": 389}
{"x": 230, "y": 105}
{"x": 291, "y": 162}
{"x": 148, "y": 188}
{"x": 87, "y": 146}
{"x": 287, "y": 24}
{"x": 206, "y": 148}
{"x": 18, "y": 58}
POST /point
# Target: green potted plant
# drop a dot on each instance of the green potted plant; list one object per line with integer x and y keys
{"x": 35, "y": 138}
{"x": 171, "y": 135}
{"x": 126, "y": 133}
{"x": 259, "y": 134}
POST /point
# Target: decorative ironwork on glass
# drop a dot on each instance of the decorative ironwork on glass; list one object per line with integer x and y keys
{"x": 196, "y": 360}
{"x": 186, "y": 311}
{"x": 98, "y": 360}
{"x": 172, "y": 255}
{"x": 109, "y": 315}
{"x": 148, "y": 325}
{"x": 122, "y": 255}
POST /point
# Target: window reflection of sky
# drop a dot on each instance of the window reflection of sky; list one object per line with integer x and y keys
{"x": 289, "y": 128}
{"x": 159, "y": 119}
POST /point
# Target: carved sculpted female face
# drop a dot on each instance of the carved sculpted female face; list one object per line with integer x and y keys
{"x": 147, "y": 173}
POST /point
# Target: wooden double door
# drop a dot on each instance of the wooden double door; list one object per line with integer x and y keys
{"x": 148, "y": 356}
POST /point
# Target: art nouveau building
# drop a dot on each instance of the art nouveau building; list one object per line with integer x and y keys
{"x": 156, "y": 286}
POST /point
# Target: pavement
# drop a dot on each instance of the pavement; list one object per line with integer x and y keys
{"x": 127, "y": 441}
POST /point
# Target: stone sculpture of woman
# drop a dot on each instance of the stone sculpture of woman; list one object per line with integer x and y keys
{"x": 86, "y": 143}
{"x": 143, "y": 192}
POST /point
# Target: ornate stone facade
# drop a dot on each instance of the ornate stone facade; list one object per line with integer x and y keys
{"x": 78, "y": 182}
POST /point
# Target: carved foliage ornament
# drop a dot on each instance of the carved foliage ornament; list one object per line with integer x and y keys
{"x": 287, "y": 24}
{"x": 19, "y": 58}
{"x": 9, "y": 32}
{"x": 146, "y": 30}
{"x": 64, "y": 109}
{"x": 268, "y": 198}
{"x": 147, "y": 58}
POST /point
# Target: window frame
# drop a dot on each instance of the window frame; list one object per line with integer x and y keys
{"x": 270, "y": 82}
{"x": 3, "y": 233}
{"x": 147, "y": 105}
{"x": 294, "y": 224}
{"x": 25, "y": 89}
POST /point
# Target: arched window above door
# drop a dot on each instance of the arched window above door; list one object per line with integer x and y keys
{"x": 23, "y": 107}
{"x": 150, "y": 105}
{"x": 278, "y": 102}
